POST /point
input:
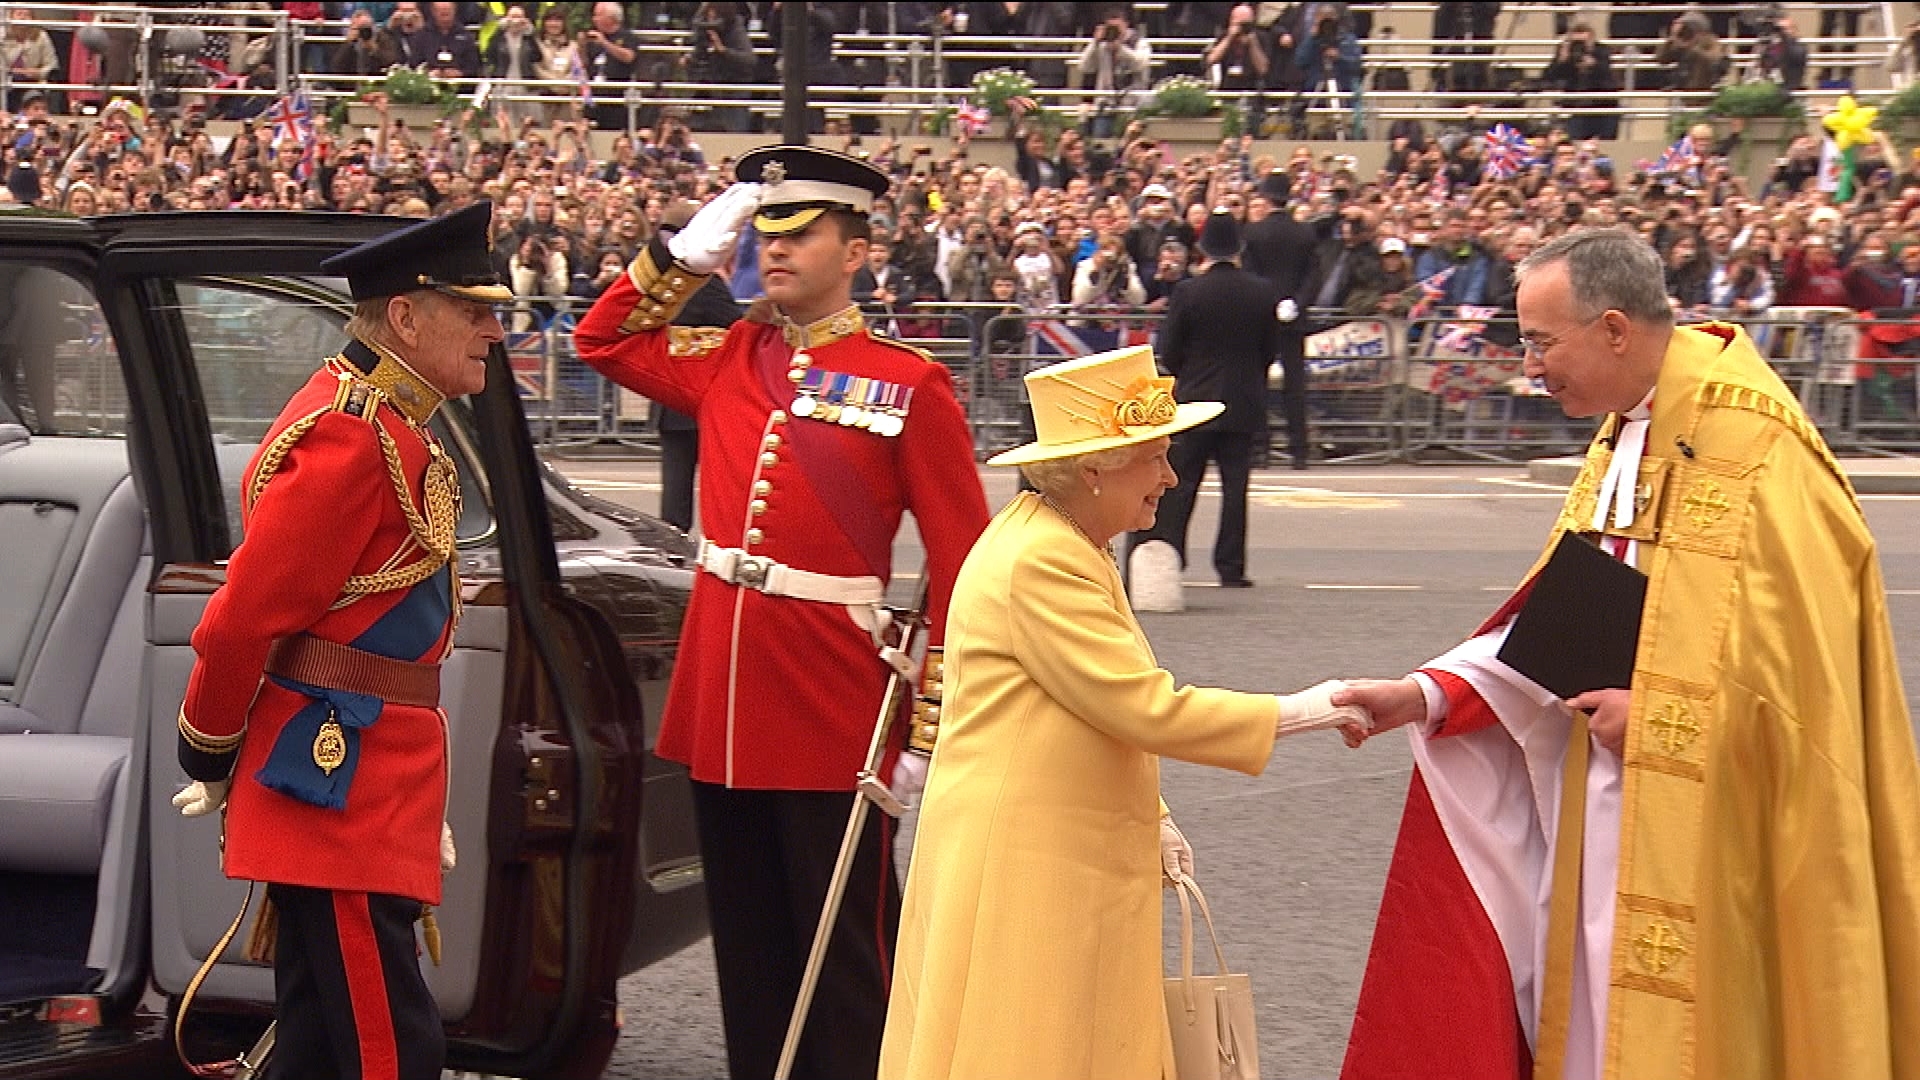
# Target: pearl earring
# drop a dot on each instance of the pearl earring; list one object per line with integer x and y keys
{"x": 1096, "y": 491}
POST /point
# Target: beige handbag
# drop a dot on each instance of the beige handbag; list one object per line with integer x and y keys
{"x": 1211, "y": 1015}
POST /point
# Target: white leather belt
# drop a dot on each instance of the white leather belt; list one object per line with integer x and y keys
{"x": 736, "y": 567}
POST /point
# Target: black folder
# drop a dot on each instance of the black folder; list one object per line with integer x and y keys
{"x": 1580, "y": 624}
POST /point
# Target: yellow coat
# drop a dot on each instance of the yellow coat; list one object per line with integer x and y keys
{"x": 1030, "y": 933}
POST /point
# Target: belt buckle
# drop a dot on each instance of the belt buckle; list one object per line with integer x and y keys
{"x": 752, "y": 571}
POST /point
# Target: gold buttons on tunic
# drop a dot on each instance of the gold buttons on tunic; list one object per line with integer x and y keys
{"x": 778, "y": 417}
{"x": 769, "y": 459}
{"x": 757, "y": 507}
{"x": 763, "y": 488}
{"x": 771, "y": 442}
{"x": 754, "y": 536}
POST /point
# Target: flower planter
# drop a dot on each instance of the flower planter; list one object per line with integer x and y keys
{"x": 1185, "y": 128}
{"x": 360, "y": 114}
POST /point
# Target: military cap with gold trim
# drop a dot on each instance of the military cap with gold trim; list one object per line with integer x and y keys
{"x": 799, "y": 183}
{"x": 451, "y": 254}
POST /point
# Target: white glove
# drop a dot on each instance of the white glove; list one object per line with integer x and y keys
{"x": 447, "y": 856}
{"x": 1176, "y": 855}
{"x": 201, "y": 797}
{"x": 1313, "y": 708}
{"x": 1286, "y": 310}
{"x": 707, "y": 242}
{"x": 910, "y": 776}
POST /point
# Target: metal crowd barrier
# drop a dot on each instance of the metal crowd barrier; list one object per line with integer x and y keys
{"x": 1440, "y": 387}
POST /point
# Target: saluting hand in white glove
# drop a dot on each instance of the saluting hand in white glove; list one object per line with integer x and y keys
{"x": 707, "y": 242}
{"x": 201, "y": 797}
{"x": 447, "y": 856}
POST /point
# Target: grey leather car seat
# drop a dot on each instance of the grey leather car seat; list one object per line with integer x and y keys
{"x": 73, "y": 530}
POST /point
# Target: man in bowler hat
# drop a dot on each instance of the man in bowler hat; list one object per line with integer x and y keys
{"x": 815, "y": 436}
{"x": 1281, "y": 250}
{"x": 312, "y": 715}
{"x": 1220, "y": 334}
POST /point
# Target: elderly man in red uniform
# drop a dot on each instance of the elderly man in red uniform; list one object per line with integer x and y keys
{"x": 814, "y": 437}
{"x": 313, "y": 713}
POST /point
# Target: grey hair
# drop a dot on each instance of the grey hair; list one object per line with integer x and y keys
{"x": 369, "y": 319}
{"x": 1057, "y": 478}
{"x": 1607, "y": 268}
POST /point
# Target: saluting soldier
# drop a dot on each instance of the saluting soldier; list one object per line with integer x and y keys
{"x": 313, "y": 712}
{"x": 815, "y": 436}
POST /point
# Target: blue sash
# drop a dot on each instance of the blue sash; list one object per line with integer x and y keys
{"x": 406, "y": 632}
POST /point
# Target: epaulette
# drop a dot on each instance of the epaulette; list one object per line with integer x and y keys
{"x": 356, "y": 397}
{"x": 1721, "y": 395}
{"x": 902, "y": 346}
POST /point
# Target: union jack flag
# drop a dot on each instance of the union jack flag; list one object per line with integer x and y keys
{"x": 1432, "y": 289}
{"x": 971, "y": 119}
{"x": 1507, "y": 152}
{"x": 291, "y": 117}
{"x": 1681, "y": 159}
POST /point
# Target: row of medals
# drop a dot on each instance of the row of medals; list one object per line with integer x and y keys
{"x": 884, "y": 420}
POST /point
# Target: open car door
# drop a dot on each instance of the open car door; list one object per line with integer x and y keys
{"x": 216, "y": 328}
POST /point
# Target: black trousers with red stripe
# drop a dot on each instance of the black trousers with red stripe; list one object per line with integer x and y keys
{"x": 768, "y": 857}
{"x": 350, "y": 1000}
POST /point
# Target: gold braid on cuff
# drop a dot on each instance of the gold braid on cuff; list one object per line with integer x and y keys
{"x": 663, "y": 292}
{"x": 926, "y": 710}
{"x": 208, "y": 744}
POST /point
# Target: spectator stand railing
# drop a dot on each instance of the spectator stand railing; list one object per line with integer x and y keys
{"x": 1356, "y": 389}
{"x": 1467, "y": 395}
{"x": 161, "y": 64}
{"x": 1379, "y": 389}
{"x": 1812, "y": 349}
{"x": 161, "y": 47}
{"x": 1883, "y": 400}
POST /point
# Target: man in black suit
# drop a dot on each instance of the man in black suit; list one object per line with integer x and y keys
{"x": 713, "y": 305}
{"x": 1220, "y": 334}
{"x": 1280, "y": 250}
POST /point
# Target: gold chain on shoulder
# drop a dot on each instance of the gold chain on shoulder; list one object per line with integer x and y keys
{"x": 276, "y": 453}
{"x": 432, "y": 533}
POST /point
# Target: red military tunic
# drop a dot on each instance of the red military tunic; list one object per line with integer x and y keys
{"x": 330, "y": 512}
{"x": 775, "y": 692}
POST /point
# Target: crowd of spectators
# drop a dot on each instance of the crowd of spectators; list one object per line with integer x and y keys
{"x": 1083, "y": 218}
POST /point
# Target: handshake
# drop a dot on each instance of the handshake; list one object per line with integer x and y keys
{"x": 1359, "y": 708}
{"x": 1314, "y": 709}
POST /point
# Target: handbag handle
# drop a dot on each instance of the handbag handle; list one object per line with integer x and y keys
{"x": 1182, "y": 886}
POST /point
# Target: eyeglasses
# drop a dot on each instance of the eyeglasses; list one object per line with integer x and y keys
{"x": 1536, "y": 344}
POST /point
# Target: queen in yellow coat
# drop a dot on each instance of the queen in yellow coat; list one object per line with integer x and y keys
{"x": 1030, "y": 932}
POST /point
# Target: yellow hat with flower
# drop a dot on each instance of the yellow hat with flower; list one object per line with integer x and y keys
{"x": 1100, "y": 402}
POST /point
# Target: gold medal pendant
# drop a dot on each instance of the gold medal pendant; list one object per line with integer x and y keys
{"x": 330, "y": 746}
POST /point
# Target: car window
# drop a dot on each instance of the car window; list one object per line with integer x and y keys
{"x": 254, "y": 344}
{"x": 59, "y": 370}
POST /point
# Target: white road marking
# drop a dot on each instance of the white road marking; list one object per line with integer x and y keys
{"x": 1514, "y": 481}
{"x": 1367, "y": 588}
{"x": 1903, "y": 592}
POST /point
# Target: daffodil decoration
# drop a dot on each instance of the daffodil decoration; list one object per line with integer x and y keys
{"x": 1851, "y": 125}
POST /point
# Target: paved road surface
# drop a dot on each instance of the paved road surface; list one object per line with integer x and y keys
{"x": 1360, "y": 572}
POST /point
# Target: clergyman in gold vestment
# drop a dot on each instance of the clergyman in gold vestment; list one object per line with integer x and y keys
{"x": 1030, "y": 930}
{"x": 1717, "y": 874}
